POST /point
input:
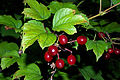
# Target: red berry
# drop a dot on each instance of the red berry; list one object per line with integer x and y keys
{"x": 53, "y": 50}
{"x": 117, "y": 51}
{"x": 47, "y": 57}
{"x": 110, "y": 50}
{"x": 101, "y": 34}
{"x": 81, "y": 40}
{"x": 107, "y": 56}
{"x": 71, "y": 59}
{"x": 59, "y": 63}
{"x": 63, "y": 39}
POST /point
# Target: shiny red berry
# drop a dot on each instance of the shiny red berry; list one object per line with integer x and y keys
{"x": 101, "y": 34}
{"x": 81, "y": 40}
{"x": 48, "y": 57}
{"x": 106, "y": 56}
{"x": 59, "y": 63}
{"x": 117, "y": 51}
{"x": 110, "y": 50}
{"x": 71, "y": 59}
{"x": 53, "y": 50}
{"x": 63, "y": 39}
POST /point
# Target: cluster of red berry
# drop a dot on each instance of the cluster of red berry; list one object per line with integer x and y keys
{"x": 110, "y": 50}
{"x": 53, "y": 50}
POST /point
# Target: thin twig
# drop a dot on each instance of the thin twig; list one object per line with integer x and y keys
{"x": 68, "y": 50}
{"x": 115, "y": 43}
{"x": 100, "y": 6}
{"x": 105, "y": 11}
{"x": 112, "y": 7}
{"x": 72, "y": 41}
{"x": 110, "y": 40}
{"x": 80, "y": 2}
{"x": 94, "y": 37}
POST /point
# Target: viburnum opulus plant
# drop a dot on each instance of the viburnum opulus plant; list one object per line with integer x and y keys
{"x": 54, "y": 36}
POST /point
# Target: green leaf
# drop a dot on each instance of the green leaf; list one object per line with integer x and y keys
{"x": 2, "y": 77}
{"x": 22, "y": 61}
{"x": 12, "y": 33}
{"x": 8, "y": 50}
{"x": 31, "y": 72}
{"x": 36, "y": 11}
{"x": 10, "y": 21}
{"x": 7, "y": 62}
{"x": 55, "y": 6}
{"x": 115, "y": 1}
{"x": 98, "y": 47}
{"x": 112, "y": 27}
{"x": 34, "y": 30}
{"x": 63, "y": 75}
{"x": 64, "y": 20}
{"x": 89, "y": 73}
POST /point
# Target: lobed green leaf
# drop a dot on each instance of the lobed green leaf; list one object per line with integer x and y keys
{"x": 64, "y": 20}
{"x": 34, "y": 30}
{"x": 98, "y": 47}
{"x": 36, "y": 11}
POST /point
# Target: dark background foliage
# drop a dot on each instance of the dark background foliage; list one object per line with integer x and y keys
{"x": 109, "y": 68}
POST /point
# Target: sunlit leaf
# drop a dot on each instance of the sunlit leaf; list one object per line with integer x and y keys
{"x": 64, "y": 20}
{"x": 98, "y": 47}
{"x": 34, "y": 30}
{"x": 36, "y": 11}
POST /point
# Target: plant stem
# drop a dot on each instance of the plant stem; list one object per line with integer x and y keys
{"x": 68, "y": 50}
{"x": 80, "y": 2}
{"x": 71, "y": 41}
{"x": 104, "y": 12}
{"x": 112, "y": 7}
{"x": 94, "y": 37}
{"x": 58, "y": 55}
{"x": 110, "y": 40}
{"x": 116, "y": 39}
{"x": 100, "y": 6}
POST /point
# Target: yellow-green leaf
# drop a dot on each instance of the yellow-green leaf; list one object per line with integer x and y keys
{"x": 36, "y": 11}
{"x": 34, "y": 30}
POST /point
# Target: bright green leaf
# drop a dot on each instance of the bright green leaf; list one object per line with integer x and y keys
{"x": 34, "y": 30}
{"x": 36, "y": 11}
{"x": 10, "y": 21}
{"x": 22, "y": 61}
{"x": 98, "y": 47}
{"x": 31, "y": 72}
{"x": 64, "y": 20}
{"x": 46, "y": 40}
{"x": 7, "y": 62}
{"x": 55, "y": 6}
